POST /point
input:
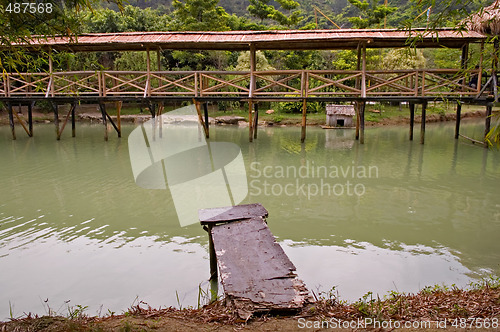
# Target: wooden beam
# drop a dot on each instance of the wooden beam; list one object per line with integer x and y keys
{"x": 11, "y": 120}
{"x": 200, "y": 117}
{"x": 256, "y": 120}
{"x": 118, "y": 117}
{"x": 422, "y": 124}
{"x": 480, "y": 74}
{"x": 363, "y": 74}
{"x": 362, "y": 123}
{"x": 21, "y": 121}
{"x": 463, "y": 65}
{"x": 51, "y": 73}
{"x": 304, "y": 120}
{"x": 205, "y": 111}
{"x": 55, "y": 108}
{"x": 73, "y": 120}
{"x": 66, "y": 120}
{"x": 487, "y": 122}
{"x": 253, "y": 68}
{"x": 357, "y": 120}
{"x": 148, "y": 63}
{"x": 30, "y": 117}
{"x": 250, "y": 122}
{"x": 457, "y": 120}
{"x": 102, "y": 106}
{"x": 158, "y": 58}
{"x": 412, "y": 119}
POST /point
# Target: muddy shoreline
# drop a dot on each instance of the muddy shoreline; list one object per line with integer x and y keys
{"x": 432, "y": 309}
{"x": 89, "y": 115}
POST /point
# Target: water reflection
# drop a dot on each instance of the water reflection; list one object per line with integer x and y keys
{"x": 74, "y": 226}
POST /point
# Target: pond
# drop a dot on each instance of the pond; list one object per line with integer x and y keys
{"x": 76, "y": 230}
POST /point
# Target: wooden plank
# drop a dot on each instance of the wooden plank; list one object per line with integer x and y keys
{"x": 256, "y": 274}
{"x": 232, "y": 213}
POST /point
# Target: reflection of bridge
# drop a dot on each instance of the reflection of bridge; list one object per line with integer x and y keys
{"x": 158, "y": 86}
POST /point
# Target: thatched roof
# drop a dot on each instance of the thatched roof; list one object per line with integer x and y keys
{"x": 486, "y": 21}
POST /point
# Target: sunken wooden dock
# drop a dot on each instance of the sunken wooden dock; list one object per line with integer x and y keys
{"x": 256, "y": 274}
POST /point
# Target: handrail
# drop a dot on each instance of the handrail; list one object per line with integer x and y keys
{"x": 268, "y": 83}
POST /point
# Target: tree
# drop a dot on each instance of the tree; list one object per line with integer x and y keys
{"x": 371, "y": 13}
{"x": 20, "y": 24}
{"x": 199, "y": 15}
{"x": 404, "y": 58}
{"x": 262, "y": 10}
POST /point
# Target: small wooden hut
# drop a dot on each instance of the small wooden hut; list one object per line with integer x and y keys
{"x": 339, "y": 115}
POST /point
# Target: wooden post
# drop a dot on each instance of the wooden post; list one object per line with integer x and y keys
{"x": 200, "y": 117}
{"x": 422, "y": 125}
{"x": 412, "y": 119}
{"x": 362, "y": 123}
{"x": 118, "y": 117}
{"x": 463, "y": 64}
{"x": 487, "y": 123}
{"x": 480, "y": 74}
{"x": 304, "y": 119}
{"x": 457, "y": 122}
{"x": 363, "y": 74}
{"x": 102, "y": 106}
{"x": 495, "y": 68}
{"x": 73, "y": 105}
{"x": 51, "y": 74}
{"x": 358, "y": 67}
{"x": 357, "y": 120}
{"x": 73, "y": 119}
{"x": 148, "y": 63}
{"x": 253, "y": 66}
{"x": 205, "y": 110}
{"x": 11, "y": 120}
{"x": 30, "y": 118}
{"x": 213, "y": 256}
{"x": 256, "y": 120}
{"x": 250, "y": 121}
{"x": 55, "y": 107}
{"x": 158, "y": 59}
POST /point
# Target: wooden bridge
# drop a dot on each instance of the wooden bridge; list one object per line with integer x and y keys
{"x": 157, "y": 86}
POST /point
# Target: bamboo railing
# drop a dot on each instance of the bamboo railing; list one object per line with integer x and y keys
{"x": 266, "y": 84}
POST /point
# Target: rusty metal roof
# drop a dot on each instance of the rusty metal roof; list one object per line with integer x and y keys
{"x": 268, "y": 39}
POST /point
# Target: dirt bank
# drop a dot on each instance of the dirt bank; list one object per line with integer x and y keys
{"x": 431, "y": 310}
{"x": 90, "y": 114}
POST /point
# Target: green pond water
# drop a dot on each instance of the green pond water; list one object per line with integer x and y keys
{"x": 75, "y": 229}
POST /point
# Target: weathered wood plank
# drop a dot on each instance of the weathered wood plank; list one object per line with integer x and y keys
{"x": 255, "y": 272}
{"x": 227, "y": 214}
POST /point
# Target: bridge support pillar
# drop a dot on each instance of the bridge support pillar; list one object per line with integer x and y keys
{"x": 250, "y": 121}
{"x": 457, "y": 121}
{"x": 256, "y": 120}
{"x": 11, "y": 120}
{"x": 30, "y": 118}
{"x": 304, "y": 119}
{"x": 102, "y": 107}
{"x": 412, "y": 119}
{"x": 422, "y": 125}
{"x": 487, "y": 123}
{"x": 362, "y": 122}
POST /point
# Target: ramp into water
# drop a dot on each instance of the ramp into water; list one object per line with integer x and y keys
{"x": 256, "y": 274}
